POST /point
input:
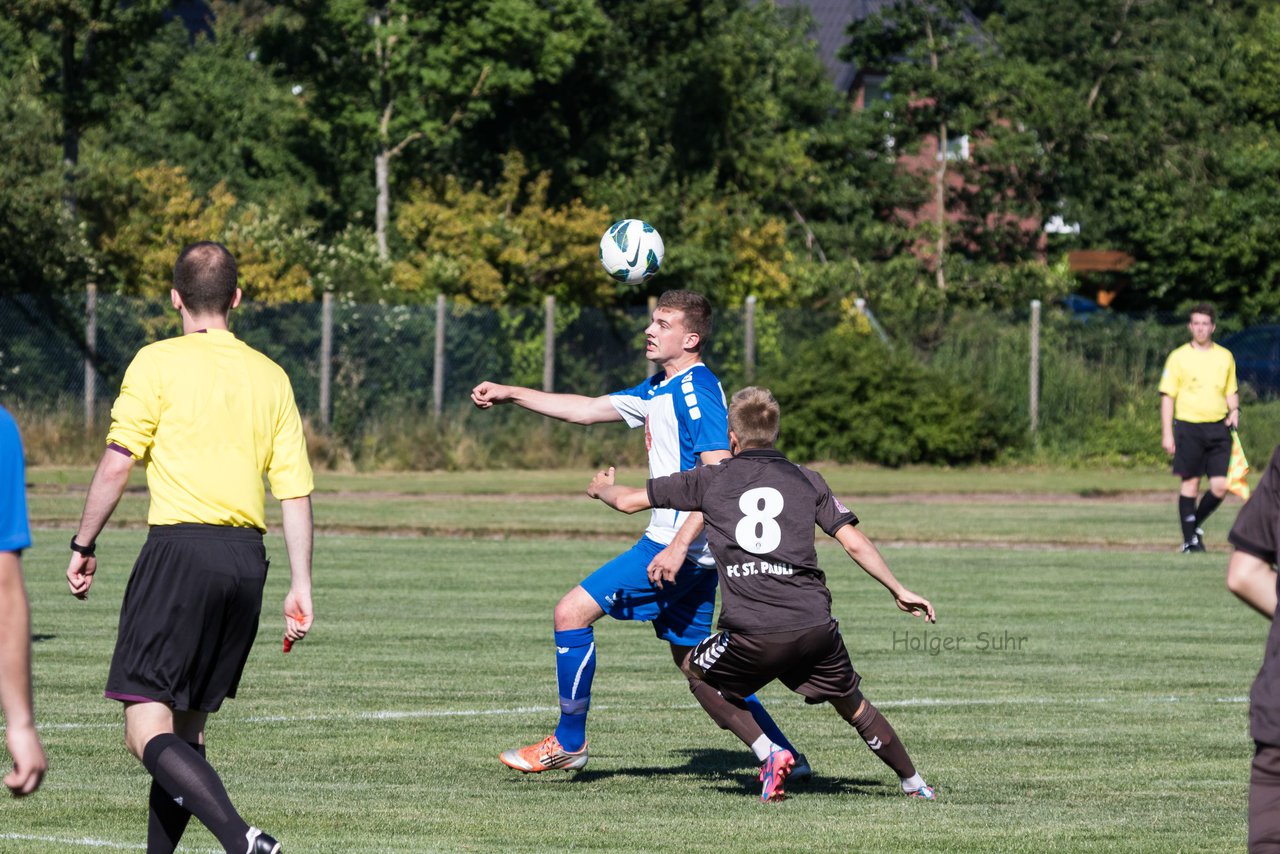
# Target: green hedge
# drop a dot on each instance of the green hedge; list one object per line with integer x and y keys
{"x": 847, "y": 397}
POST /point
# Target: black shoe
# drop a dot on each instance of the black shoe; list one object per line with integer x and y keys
{"x": 261, "y": 843}
{"x": 1193, "y": 545}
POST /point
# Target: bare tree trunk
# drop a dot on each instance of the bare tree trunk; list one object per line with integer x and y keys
{"x": 70, "y": 115}
{"x": 810, "y": 239}
{"x": 940, "y": 206}
{"x": 939, "y": 179}
{"x": 382, "y": 161}
{"x": 385, "y": 43}
{"x": 1096, "y": 89}
{"x": 382, "y": 208}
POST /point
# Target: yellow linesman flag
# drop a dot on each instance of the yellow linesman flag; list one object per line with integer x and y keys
{"x": 1238, "y": 469}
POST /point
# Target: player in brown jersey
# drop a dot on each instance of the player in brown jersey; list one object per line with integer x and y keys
{"x": 775, "y": 621}
{"x": 1251, "y": 576}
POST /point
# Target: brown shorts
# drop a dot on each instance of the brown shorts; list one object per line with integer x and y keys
{"x": 1264, "y": 800}
{"x": 812, "y": 662}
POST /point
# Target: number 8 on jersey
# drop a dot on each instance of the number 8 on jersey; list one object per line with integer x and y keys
{"x": 757, "y": 532}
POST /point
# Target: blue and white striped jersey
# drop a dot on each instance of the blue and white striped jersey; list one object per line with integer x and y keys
{"x": 683, "y": 416}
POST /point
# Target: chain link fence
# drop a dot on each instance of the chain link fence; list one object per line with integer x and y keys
{"x": 354, "y": 365}
{"x": 71, "y": 352}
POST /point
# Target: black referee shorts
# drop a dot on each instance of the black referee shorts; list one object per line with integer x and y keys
{"x": 812, "y": 662}
{"x": 189, "y": 616}
{"x": 1201, "y": 449}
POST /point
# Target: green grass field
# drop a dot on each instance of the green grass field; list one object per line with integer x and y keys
{"x": 1084, "y": 689}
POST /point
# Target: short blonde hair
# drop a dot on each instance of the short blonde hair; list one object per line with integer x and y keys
{"x": 754, "y": 416}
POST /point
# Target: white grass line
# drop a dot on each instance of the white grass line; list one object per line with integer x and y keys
{"x": 90, "y": 842}
{"x": 84, "y": 841}
{"x": 385, "y": 715}
{"x": 408, "y": 715}
{"x": 398, "y": 715}
{"x": 1044, "y": 701}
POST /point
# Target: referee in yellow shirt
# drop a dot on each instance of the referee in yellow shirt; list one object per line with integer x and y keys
{"x": 1199, "y": 406}
{"x": 208, "y": 416}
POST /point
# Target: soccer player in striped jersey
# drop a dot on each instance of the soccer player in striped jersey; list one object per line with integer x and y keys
{"x": 775, "y": 617}
{"x": 682, "y": 409}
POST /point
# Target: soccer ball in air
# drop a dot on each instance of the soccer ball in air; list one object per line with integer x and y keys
{"x": 631, "y": 251}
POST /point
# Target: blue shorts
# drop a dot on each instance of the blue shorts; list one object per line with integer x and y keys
{"x": 681, "y": 613}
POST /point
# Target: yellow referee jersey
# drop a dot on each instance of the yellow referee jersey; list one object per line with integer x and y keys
{"x": 209, "y": 415}
{"x": 1199, "y": 382}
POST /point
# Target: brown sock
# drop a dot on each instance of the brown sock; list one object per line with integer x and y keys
{"x": 735, "y": 717}
{"x": 727, "y": 715}
{"x": 882, "y": 740}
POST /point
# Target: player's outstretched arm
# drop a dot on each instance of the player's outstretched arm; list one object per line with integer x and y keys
{"x": 628, "y": 499}
{"x": 1253, "y": 581}
{"x": 866, "y": 555}
{"x": 29, "y": 763}
{"x": 573, "y": 408}
{"x": 108, "y": 484}
{"x": 298, "y": 537}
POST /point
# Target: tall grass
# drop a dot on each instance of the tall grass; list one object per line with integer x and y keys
{"x": 463, "y": 439}
{"x": 1098, "y": 401}
{"x": 505, "y": 437}
{"x": 56, "y": 435}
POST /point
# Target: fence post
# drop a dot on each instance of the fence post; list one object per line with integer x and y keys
{"x": 90, "y": 352}
{"x": 437, "y": 372}
{"x": 549, "y": 344}
{"x": 326, "y": 355}
{"x": 749, "y": 342}
{"x": 1034, "y": 370}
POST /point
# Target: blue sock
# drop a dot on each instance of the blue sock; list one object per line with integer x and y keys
{"x": 766, "y": 723}
{"x": 575, "y": 668}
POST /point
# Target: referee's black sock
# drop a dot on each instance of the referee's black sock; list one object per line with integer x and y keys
{"x": 1208, "y": 504}
{"x": 185, "y": 775}
{"x": 167, "y": 819}
{"x": 1187, "y": 516}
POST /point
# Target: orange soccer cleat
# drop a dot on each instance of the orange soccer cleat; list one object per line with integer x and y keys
{"x": 546, "y": 755}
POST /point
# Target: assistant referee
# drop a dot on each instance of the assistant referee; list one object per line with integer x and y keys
{"x": 1199, "y": 406}
{"x": 208, "y": 416}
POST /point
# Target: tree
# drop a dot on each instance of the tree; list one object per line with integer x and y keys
{"x": 956, "y": 104}
{"x": 82, "y": 49}
{"x": 41, "y": 250}
{"x": 714, "y": 120}
{"x": 1158, "y": 129}
{"x": 165, "y": 212}
{"x": 505, "y": 247}
{"x": 396, "y": 85}
{"x": 206, "y": 102}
